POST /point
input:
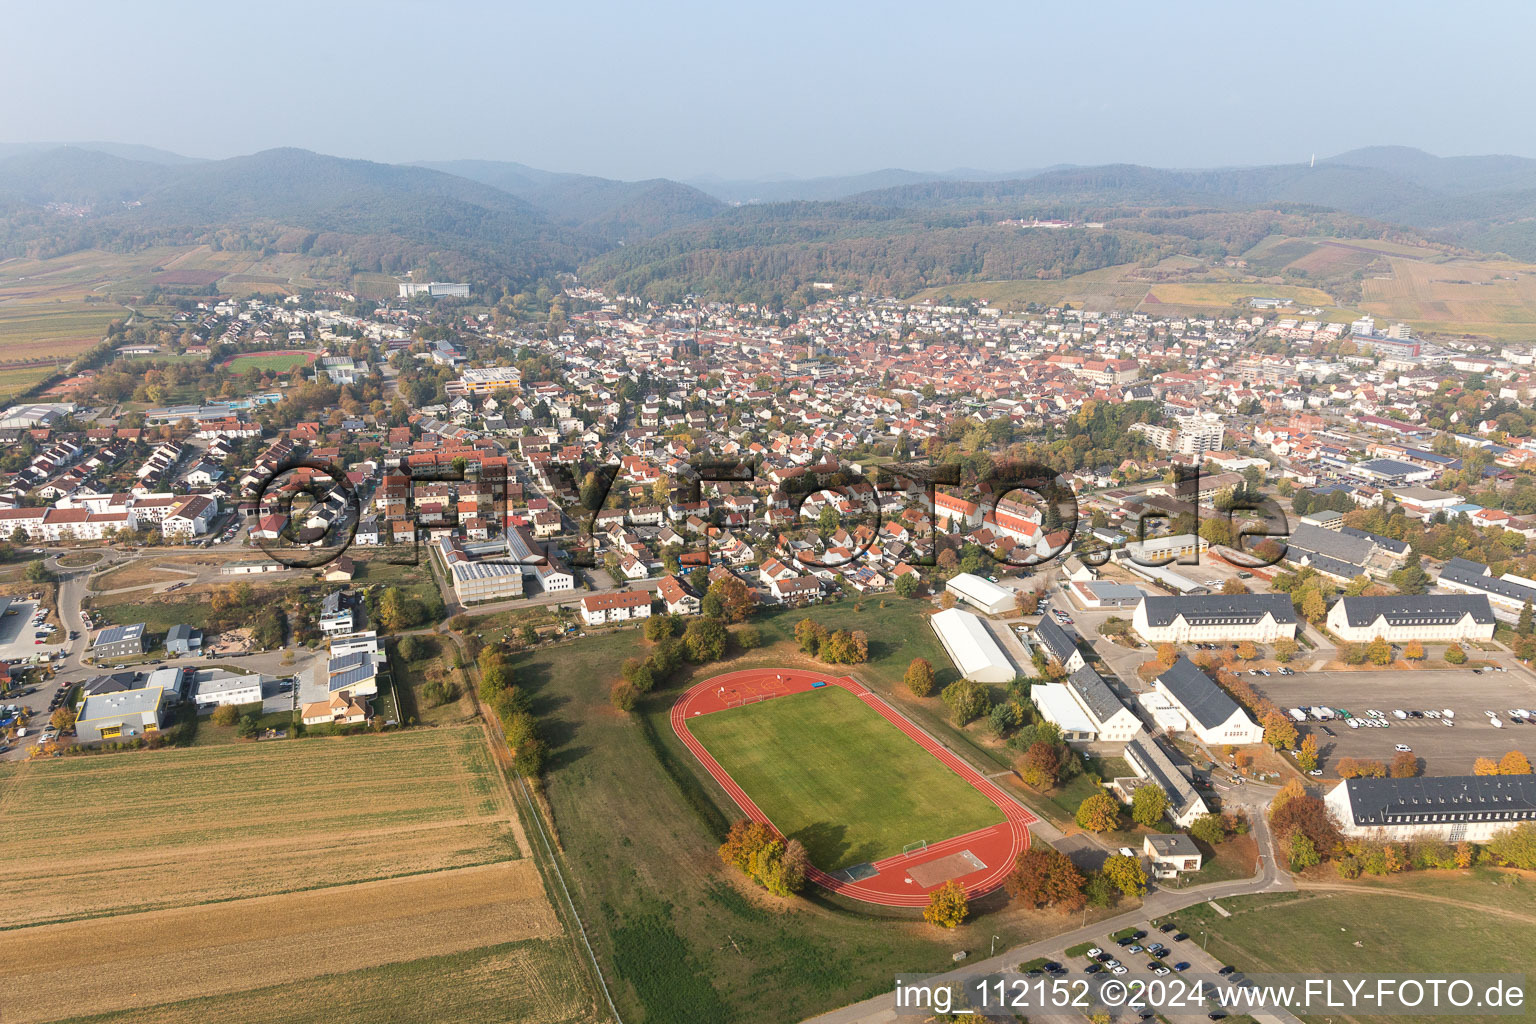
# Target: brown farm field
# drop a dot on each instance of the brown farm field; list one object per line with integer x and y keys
{"x": 349, "y": 879}
{"x": 168, "y": 828}
{"x": 192, "y": 952}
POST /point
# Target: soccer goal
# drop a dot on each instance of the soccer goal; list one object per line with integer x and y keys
{"x": 917, "y": 847}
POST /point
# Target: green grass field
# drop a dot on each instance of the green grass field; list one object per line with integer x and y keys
{"x": 258, "y": 361}
{"x": 829, "y": 771}
{"x": 1422, "y": 923}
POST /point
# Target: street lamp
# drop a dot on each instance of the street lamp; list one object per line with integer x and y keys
{"x": 994, "y": 946}
{"x": 1202, "y": 940}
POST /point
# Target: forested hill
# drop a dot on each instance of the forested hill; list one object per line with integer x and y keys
{"x": 489, "y": 220}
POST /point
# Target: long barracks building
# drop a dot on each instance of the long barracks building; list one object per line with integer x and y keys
{"x": 1399, "y": 618}
{"x": 1261, "y": 618}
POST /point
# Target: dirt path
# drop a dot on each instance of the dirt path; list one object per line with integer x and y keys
{"x": 1420, "y": 896}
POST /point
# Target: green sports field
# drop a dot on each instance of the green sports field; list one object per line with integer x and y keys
{"x": 829, "y": 771}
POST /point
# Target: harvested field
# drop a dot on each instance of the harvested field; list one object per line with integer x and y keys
{"x": 179, "y": 827}
{"x": 192, "y": 952}
{"x": 531, "y": 982}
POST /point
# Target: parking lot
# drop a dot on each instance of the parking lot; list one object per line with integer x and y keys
{"x": 17, "y": 639}
{"x": 1442, "y": 750}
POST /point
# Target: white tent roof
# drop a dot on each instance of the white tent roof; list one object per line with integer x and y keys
{"x": 1055, "y": 703}
{"x": 971, "y": 647}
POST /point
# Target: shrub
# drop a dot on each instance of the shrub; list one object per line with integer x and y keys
{"x": 919, "y": 675}
{"x": 623, "y": 695}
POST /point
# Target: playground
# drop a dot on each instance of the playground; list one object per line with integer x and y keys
{"x": 886, "y": 813}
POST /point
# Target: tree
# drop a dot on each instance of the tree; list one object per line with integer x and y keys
{"x": 1516, "y": 846}
{"x": 1040, "y": 765}
{"x": 1525, "y": 627}
{"x": 1233, "y": 585}
{"x": 1285, "y": 649}
{"x": 748, "y": 638}
{"x": 1485, "y": 766}
{"x": 1514, "y": 763}
{"x": 248, "y": 726}
{"x": 1413, "y": 650}
{"x": 1313, "y": 608}
{"x": 37, "y": 572}
{"x": 225, "y": 715}
{"x": 64, "y": 720}
{"x": 1098, "y": 813}
{"x": 704, "y": 640}
{"x": 919, "y": 677}
{"x": 736, "y": 601}
{"x": 1454, "y": 655}
{"x": 1411, "y": 578}
{"x": 744, "y": 839}
{"x": 1043, "y": 876}
{"x": 1167, "y": 654}
{"x": 1209, "y": 828}
{"x": 1306, "y": 757}
{"x": 1404, "y": 765}
{"x": 907, "y": 584}
{"x": 1246, "y": 651}
{"x": 623, "y": 695}
{"x": 966, "y": 700}
{"x": 659, "y": 627}
{"x": 1379, "y": 651}
{"x": 1279, "y": 730}
{"x": 946, "y": 600}
{"x": 1126, "y": 874}
{"x": 1148, "y": 804}
{"x": 947, "y": 906}
{"x": 409, "y": 648}
{"x": 1305, "y": 813}
{"x": 809, "y": 634}
{"x": 1099, "y": 891}
{"x": 1301, "y": 852}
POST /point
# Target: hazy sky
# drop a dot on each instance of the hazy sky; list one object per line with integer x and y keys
{"x": 735, "y": 89}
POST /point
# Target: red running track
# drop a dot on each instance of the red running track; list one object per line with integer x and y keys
{"x": 891, "y": 886}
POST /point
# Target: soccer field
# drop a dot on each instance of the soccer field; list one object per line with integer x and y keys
{"x": 829, "y": 771}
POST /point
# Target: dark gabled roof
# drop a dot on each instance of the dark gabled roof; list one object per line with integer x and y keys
{"x": 1197, "y": 695}
{"x": 1056, "y": 639}
{"x": 1219, "y": 609}
{"x": 1417, "y": 610}
{"x": 1396, "y": 547}
{"x": 1476, "y": 575}
{"x": 1331, "y": 566}
{"x": 1405, "y": 801}
{"x": 1160, "y": 768}
{"x": 1353, "y": 547}
{"x": 180, "y": 631}
{"x": 1095, "y": 693}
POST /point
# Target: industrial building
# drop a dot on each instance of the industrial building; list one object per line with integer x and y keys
{"x": 119, "y": 641}
{"x": 972, "y": 649}
{"x": 1085, "y": 709}
{"x": 1218, "y": 618}
{"x": 1398, "y": 618}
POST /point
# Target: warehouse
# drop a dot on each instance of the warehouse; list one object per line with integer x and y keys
{"x": 1208, "y": 712}
{"x": 982, "y": 594}
{"x": 972, "y": 649}
{"x": 1398, "y": 618}
{"x": 1467, "y": 807}
{"x": 1219, "y": 618}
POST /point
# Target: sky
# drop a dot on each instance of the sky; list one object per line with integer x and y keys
{"x": 788, "y": 89}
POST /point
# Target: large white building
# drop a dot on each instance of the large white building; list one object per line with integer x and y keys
{"x": 1212, "y": 716}
{"x": 972, "y": 649}
{"x": 1085, "y": 709}
{"x": 615, "y": 606}
{"x": 982, "y": 593}
{"x": 1194, "y": 434}
{"x": 1399, "y": 618}
{"x": 1474, "y": 808}
{"x": 1507, "y": 593}
{"x": 1219, "y": 618}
